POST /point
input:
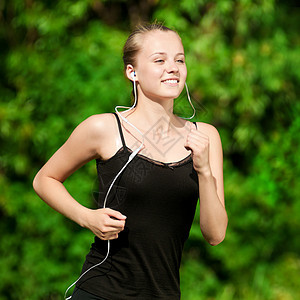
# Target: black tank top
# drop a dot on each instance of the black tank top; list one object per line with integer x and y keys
{"x": 159, "y": 200}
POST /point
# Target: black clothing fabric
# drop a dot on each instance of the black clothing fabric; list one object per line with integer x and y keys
{"x": 159, "y": 200}
{"x": 80, "y": 294}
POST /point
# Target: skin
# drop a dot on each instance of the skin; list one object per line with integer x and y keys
{"x": 161, "y": 57}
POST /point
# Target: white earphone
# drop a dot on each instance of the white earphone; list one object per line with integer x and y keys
{"x": 132, "y": 75}
{"x": 130, "y": 158}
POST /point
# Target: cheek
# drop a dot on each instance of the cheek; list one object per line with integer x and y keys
{"x": 154, "y": 71}
{"x": 151, "y": 75}
{"x": 183, "y": 72}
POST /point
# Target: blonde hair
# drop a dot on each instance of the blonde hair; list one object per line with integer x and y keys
{"x": 133, "y": 44}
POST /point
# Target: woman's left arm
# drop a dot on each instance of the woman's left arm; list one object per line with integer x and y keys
{"x": 206, "y": 147}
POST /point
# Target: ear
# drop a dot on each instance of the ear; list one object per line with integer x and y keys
{"x": 129, "y": 70}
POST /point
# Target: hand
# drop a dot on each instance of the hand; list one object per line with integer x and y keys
{"x": 105, "y": 223}
{"x": 198, "y": 143}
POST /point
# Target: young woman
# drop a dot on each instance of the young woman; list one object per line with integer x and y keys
{"x": 150, "y": 203}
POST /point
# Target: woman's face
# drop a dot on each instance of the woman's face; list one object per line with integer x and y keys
{"x": 161, "y": 70}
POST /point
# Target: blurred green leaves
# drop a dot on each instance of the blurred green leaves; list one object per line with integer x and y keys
{"x": 61, "y": 62}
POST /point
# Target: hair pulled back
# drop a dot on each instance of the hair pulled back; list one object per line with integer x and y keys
{"x": 134, "y": 41}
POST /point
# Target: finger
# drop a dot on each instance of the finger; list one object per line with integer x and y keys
{"x": 115, "y": 214}
{"x": 107, "y": 237}
{"x": 189, "y": 145}
{"x": 111, "y": 231}
{"x": 194, "y": 130}
{"x": 198, "y": 133}
{"x": 113, "y": 237}
{"x": 114, "y": 223}
{"x": 194, "y": 146}
{"x": 198, "y": 139}
{"x": 107, "y": 232}
{"x": 192, "y": 126}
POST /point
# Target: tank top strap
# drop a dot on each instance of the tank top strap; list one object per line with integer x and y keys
{"x": 120, "y": 130}
{"x": 195, "y": 124}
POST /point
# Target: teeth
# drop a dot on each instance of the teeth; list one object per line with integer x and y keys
{"x": 171, "y": 81}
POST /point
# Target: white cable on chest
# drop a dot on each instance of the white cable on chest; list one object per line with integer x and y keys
{"x": 131, "y": 156}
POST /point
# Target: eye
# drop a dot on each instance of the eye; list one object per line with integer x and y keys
{"x": 159, "y": 61}
{"x": 181, "y": 61}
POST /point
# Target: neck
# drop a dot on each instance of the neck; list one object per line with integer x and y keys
{"x": 153, "y": 114}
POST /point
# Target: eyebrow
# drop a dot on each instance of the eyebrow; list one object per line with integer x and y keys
{"x": 164, "y": 53}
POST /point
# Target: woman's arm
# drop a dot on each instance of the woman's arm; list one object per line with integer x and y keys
{"x": 206, "y": 147}
{"x": 83, "y": 145}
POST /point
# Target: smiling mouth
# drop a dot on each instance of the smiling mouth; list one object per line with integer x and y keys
{"x": 171, "y": 81}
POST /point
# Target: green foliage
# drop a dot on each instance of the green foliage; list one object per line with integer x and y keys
{"x": 61, "y": 62}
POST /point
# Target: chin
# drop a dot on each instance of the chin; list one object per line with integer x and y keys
{"x": 169, "y": 97}
{"x": 171, "y": 94}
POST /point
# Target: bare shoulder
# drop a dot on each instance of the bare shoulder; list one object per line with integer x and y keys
{"x": 95, "y": 135}
{"x": 99, "y": 124}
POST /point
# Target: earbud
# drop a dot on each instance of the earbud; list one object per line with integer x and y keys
{"x": 132, "y": 74}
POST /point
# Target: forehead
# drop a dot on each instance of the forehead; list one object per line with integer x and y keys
{"x": 161, "y": 41}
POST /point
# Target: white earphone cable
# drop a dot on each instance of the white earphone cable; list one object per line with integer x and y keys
{"x": 92, "y": 267}
{"x": 132, "y": 155}
{"x": 189, "y": 98}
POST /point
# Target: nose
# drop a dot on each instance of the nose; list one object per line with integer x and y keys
{"x": 172, "y": 67}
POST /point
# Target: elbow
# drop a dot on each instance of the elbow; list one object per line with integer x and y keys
{"x": 35, "y": 183}
{"x": 218, "y": 237}
{"x": 216, "y": 241}
{"x": 215, "y": 238}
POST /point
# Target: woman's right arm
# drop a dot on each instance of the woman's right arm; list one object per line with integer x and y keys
{"x": 83, "y": 145}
